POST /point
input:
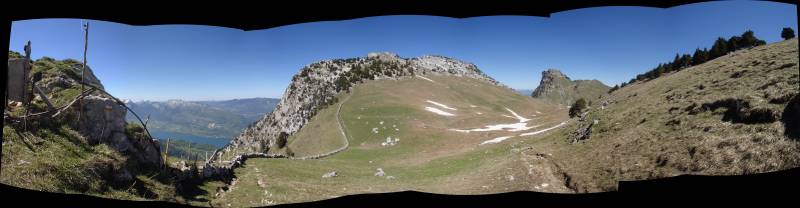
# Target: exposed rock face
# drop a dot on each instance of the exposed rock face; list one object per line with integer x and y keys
{"x": 315, "y": 86}
{"x": 558, "y": 88}
{"x": 103, "y": 121}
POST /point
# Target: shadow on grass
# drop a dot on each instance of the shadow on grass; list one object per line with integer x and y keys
{"x": 791, "y": 118}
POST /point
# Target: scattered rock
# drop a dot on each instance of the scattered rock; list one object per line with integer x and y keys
{"x": 330, "y": 174}
{"x": 380, "y": 172}
{"x": 583, "y": 133}
{"x": 23, "y": 162}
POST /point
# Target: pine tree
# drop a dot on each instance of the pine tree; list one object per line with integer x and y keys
{"x": 736, "y": 43}
{"x": 675, "y": 64}
{"x": 700, "y": 56}
{"x": 749, "y": 39}
{"x": 720, "y": 48}
{"x": 686, "y": 61}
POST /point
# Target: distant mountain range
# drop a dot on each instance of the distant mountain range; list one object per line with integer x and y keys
{"x": 209, "y": 122}
{"x": 525, "y": 92}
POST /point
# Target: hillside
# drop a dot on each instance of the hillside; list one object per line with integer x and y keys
{"x": 102, "y": 155}
{"x": 201, "y": 121}
{"x": 560, "y": 89}
{"x": 433, "y": 133}
{"x": 728, "y": 116}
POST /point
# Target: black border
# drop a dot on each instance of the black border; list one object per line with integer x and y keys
{"x": 766, "y": 188}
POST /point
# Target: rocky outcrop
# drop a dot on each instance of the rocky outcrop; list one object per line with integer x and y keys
{"x": 558, "y": 88}
{"x": 315, "y": 87}
{"x": 103, "y": 121}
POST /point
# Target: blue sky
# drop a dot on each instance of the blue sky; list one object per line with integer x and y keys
{"x": 192, "y": 62}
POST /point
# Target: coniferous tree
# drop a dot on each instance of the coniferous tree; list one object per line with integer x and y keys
{"x": 675, "y": 64}
{"x": 735, "y": 43}
{"x": 720, "y": 48}
{"x": 700, "y": 56}
{"x": 749, "y": 39}
{"x": 787, "y": 33}
{"x": 686, "y": 61}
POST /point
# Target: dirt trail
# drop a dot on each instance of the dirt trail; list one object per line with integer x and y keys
{"x": 341, "y": 130}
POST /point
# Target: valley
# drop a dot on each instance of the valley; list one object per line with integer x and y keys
{"x": 467, "y": 136}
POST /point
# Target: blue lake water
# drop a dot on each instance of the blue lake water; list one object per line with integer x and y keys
{"x": 217, "y": 142}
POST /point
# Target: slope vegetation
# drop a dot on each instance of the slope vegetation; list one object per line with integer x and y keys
{"x": 441, "y": 134}
{"x": 728, "y": 116}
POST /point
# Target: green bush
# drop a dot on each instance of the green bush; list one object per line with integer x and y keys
{"x": 787, "y": 33}
{"x": 577, "y": 107}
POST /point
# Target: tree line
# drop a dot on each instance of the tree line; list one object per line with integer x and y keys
{"x": 720, "y": 48}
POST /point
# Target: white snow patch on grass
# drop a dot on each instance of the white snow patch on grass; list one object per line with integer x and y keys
{"x": 438, "y": 111}
{"x": 543, "y": 130}
{"x": 520, "y": 118}
{"x": 425, "y": 78}
{"x": 522, "y": 125}
{"x": 473, "y": 106}
{"x": 513, "y": 127}
{"x": 440, "y": 105}
{"x": 495, "y": 140}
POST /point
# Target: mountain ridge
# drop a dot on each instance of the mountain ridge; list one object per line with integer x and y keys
{"x": 316, "y": 85}
{"x": 211, "y": 119}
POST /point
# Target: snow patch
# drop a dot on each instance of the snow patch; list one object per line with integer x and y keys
{"x": 440, "y": 105}
{"x": 495, "y": 140}
{"x": 438, "y": 111}
{"x": 425, "y": 78}
{"x": 522, "y": 125}
{"x": 520, "y": 118}
{"x": 543, "y": 130}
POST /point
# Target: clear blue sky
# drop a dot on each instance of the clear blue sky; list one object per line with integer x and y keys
{"x": 190, "y": 62}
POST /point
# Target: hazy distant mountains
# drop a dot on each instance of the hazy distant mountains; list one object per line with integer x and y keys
{"x": 202, "y": 121}
{"x": 525, "y": 92}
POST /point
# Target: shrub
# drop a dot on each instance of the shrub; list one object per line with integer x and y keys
{"x": 281, "y": 141}
{"x": 577, "y": 107}
{"x": 787, "y": 33}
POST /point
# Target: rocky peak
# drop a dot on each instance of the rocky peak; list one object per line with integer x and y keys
{"x": 384, "y": 56}
{"x": 557, "y": 87}
{"x": 553, "y": 74}
{"x": 552, "y": 81}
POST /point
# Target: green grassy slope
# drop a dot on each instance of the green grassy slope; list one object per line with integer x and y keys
{"x": 669, "y": 126}
{"x": 48, "y": 154}
{"x": 429, "y": 157}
